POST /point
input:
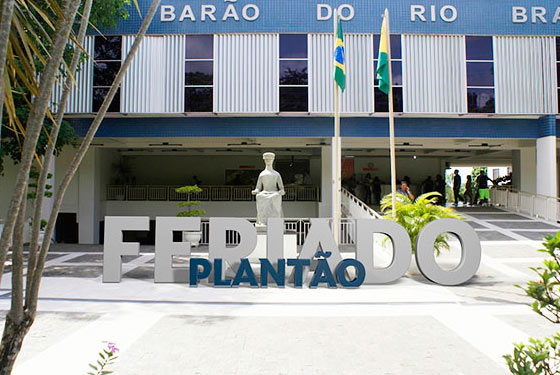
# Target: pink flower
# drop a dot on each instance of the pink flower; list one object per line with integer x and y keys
{"x": 112, "y": 347}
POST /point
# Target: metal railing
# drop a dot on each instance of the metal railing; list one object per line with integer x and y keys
{"x": 295, "y": 225}
{"x": 355, "y": 208}
{"x": 534, "y": 205}
{"x": 209, "y": 193}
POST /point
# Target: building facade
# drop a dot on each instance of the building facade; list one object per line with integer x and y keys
{"x": 216, "y": 83}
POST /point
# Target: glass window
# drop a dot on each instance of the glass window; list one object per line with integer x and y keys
{"x": 479, "y": 48}
{"x": 480, "y": 74}
{"x": 106, "y": 64}
{"x": 396, "y": 49}
{"x": 200, "y": 47}
{"x": 199, "y": 73}
{"x": 557, "y": 48}
{"x": 381, "y": 99}
{"x": 198, "y": 99}
{"x": 481, "y": 100}
{"x": 104, "y": 72}
{"x": 293, "y": 99}
{"x": 107, "y": 48}
{"x": 293, "y": 73}
{"x": 293, "y": 46}
{"x": 99, "y": 94}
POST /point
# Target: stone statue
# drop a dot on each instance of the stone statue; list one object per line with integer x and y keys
{"x": 269, "y": 192}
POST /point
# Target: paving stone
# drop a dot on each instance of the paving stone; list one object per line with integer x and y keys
{"x": 492, "y": 236}
{"x": 98, "y": 258}
{"x": 499, "y": 217}
{"x": 476, "y": 225}
{"x": 535, "y": 236}
{"x": 525, "y": 225}
{"x": 73, "y": 271}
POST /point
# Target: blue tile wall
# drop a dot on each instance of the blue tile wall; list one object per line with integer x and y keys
{"x": 474, "y": 17}
{"x": 314, "y": 127}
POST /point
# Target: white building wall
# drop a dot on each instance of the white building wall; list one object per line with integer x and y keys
{"x": 246, "y": 73}
{"x": 525, "y": 75}
{"x": 325, "y": 206}
{"x": 80, "y": 99}
{"x": 434, "y": 74}
{"x": 358, "y": 96}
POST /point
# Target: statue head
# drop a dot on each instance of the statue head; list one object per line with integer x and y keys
{"x": 268, "y": 158}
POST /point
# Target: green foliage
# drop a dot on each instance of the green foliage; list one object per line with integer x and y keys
{"x": 414, "y": 216}
{"x": 189, "y": 190}
{"x": 105, "y": 14}
{"x": 536, "y": 358}
{"x": 34, "y": 175}
{"x": 546, "y": 291}
{"x": 542, "y": 356}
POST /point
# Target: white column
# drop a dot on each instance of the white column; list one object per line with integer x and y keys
{"x": 547, "y": 169}
{"x": 525, "y": 169}
{"x": 89, "y": 198}
{"x": 325, "y": 206}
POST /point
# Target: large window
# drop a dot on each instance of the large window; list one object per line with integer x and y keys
{"x": 293, "y": 73}
{"x": 199, "y": 73}
{"x": 382, "y": 99}
{"x": 480, "y": 74}
{"x": 106, "y": 64}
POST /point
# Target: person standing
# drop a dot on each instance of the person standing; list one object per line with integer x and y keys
{"x": 428, "y": 185}
{"x": 456, "y": 187}
{"x": 468, "y": 195}
{"x": 405, "y": 190}
{"x": 483, "y": 191}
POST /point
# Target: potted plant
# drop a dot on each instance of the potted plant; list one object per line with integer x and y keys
{"x": 189, "y": 190}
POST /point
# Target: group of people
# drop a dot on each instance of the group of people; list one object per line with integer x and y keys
{"x": 367, "y": 189}
{"x": 476, "y": 191}
{"x": 473, "y": 194}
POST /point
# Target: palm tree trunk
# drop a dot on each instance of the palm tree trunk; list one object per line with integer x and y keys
{"x": 6, "y": 12}
{"x": 33, "y": 290}
{"x": 48, "y": 158}
{"x": 35, "y": 123}
{"x": 12, "y": 340}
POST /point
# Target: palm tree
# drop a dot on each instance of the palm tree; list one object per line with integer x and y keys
{"x": 415, "y": 215}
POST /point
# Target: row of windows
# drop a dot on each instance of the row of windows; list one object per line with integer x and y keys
{"x": 293, "y": 78}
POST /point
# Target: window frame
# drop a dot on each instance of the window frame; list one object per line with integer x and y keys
{"x": 480, "y": 87}
{"x": 103, "y": 60}
{"x": 281, "y": 86}
{"x": 186, "y": 86}
{"x": 393, "y": 60}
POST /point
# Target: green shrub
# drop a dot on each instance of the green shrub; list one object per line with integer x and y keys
{"x": 536, "y": 358}
{"x": 414, "y": 216}
{"x": 542, "y": 356}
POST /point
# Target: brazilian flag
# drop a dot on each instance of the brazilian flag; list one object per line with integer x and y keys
{"x": 339, "y": 61}
{"x": 383, "y": 62}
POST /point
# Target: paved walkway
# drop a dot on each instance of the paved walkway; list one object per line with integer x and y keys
{"x": 410, "y": 327}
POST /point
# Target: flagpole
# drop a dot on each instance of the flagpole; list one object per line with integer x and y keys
{"x": 391, "y": 116}
{"x": 336, "y": 153}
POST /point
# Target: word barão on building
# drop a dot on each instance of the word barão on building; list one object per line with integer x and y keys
{"x": 232, "y": 266}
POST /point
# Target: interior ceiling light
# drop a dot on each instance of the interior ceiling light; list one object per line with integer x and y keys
{"x": 244, "y": 144}
{"x": 485, "y": 145}
{"x": 228, "y": 150}
{"x": 165, "y": 144}
{"x": 408, "y": 144}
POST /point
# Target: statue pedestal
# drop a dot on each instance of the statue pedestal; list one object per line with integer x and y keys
{"x": 290, "y": 247}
